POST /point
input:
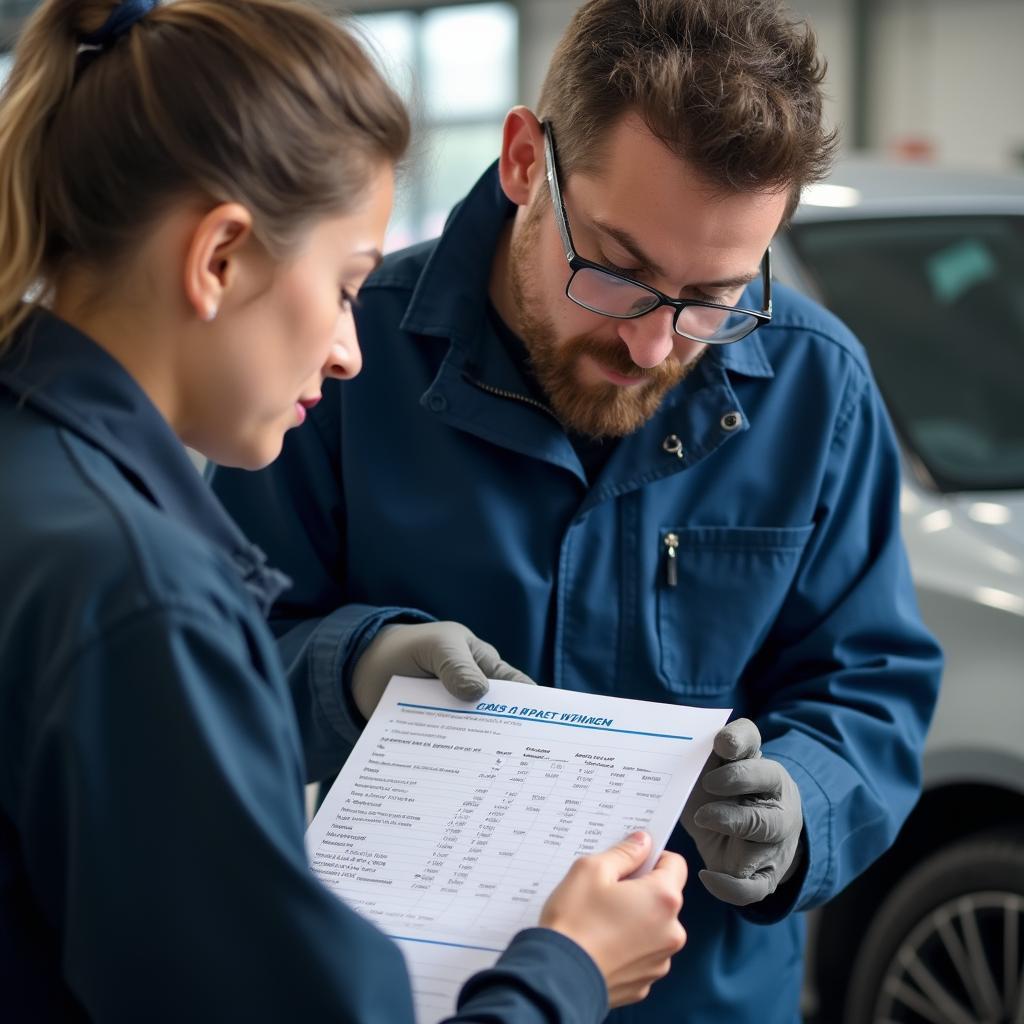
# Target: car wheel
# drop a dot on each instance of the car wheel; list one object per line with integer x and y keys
{"x": 946, "y": 944}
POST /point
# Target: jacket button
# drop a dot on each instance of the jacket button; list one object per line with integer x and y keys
{"x": 437, "y": 402}
{"x": 730, "y": 421}
{"x": 673, "y": 446}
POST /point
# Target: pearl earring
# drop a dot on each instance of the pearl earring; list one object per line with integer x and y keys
{"x": 210, "y": 314}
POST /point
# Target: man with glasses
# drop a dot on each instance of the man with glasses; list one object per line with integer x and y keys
{"x": 591, "y": 431}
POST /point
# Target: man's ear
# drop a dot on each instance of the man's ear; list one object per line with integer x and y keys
{"x": 521, "y": 167}
{"x": 212, "y": 256}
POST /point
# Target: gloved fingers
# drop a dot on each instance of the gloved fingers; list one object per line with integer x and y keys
{"x": 740, "y": 892}
{"x": 453, "y": 663}
{"x": 760, "y": 822}
{"x": 738, "y": 740}
{"x": 698, "y": 796}
{"x": 740, "y": 859}
{"x": 746, "y": 778}
{"x": 491, "y": 664}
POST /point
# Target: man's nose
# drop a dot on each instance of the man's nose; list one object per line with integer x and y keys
{"x": 649, "y": 338}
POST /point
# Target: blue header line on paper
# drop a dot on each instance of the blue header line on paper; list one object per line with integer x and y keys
{"x": 541, "y": 721}
{"x": 436, "y": 942}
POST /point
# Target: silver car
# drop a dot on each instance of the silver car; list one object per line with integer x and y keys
{"x": 927, "y": 267}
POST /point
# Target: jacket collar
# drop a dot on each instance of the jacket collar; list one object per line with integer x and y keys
{"x": 63, "y": 374}
{"x": 450, "y": 298}
{"x": 747, "y": 358}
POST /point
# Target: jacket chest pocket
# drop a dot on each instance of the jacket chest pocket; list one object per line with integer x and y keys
{"x": 719, "y": 589}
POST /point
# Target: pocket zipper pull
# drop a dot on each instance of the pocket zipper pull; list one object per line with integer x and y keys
{"x": 671, "y": 566}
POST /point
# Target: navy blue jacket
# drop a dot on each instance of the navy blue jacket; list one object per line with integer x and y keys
{"x": 151, "y": 767}
{"x": 433, "y": 482}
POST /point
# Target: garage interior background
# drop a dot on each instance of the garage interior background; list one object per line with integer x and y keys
{"x": 926, "y": 79}
{"x": 935, "y": 80}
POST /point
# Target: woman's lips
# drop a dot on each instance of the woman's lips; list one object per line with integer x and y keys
{"x": 303, "y": 405}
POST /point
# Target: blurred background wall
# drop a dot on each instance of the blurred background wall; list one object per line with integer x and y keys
{"x": 937, "y": 80}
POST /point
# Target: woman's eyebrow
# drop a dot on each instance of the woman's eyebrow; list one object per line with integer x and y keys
{"x": 373, "y": 253}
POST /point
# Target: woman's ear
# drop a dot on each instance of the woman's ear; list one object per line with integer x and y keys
{"x": 521, "y": 165}
{"x": 211, "y": 259}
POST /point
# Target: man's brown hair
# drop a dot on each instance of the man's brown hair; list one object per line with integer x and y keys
{"x": 731, "y": 86}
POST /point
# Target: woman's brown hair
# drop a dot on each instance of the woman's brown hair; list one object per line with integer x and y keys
{"x": 262, "y": 102}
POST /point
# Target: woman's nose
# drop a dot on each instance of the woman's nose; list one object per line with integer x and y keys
{"x": 345, "y": 359}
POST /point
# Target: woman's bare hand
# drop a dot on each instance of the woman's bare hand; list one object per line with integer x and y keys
{"x": 629, "y": 926}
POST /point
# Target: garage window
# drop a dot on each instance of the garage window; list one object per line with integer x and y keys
{"x": 456, "y": 67}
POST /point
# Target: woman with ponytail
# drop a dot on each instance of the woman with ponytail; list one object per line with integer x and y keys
{"x": 191, "y": 196}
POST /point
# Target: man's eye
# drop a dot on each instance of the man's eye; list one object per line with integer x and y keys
{"x": 348, "y": 300}
{"x": 612, "y": 265}
{"x": 728, "y": 299}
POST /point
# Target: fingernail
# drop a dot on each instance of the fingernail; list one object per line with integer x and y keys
{"x": 637, "y": 837}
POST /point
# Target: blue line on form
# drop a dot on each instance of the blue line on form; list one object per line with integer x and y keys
{"x": 518, "y": 718}
{"x": 436, "y": 942}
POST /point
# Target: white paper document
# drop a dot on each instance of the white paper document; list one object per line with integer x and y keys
{"x": 451, "y": 823}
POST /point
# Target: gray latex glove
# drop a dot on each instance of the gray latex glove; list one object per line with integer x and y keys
{"x": 446, "y": 650}
{"x": 749, "y": 838}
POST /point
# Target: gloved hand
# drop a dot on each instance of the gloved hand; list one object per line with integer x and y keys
{"x": 749, "y": 839}
{"x": 444, "y": 649}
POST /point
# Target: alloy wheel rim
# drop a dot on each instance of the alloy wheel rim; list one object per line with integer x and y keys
{"x": 961, "y": 964}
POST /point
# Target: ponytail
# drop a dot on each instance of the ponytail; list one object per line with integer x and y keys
{"x": 39, "y": 82}
{"x": 278, "y": 109}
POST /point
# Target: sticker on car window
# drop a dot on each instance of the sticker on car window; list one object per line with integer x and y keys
{"x": 958, "y": 268}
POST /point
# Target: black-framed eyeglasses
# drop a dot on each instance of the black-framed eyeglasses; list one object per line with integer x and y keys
{"x": 610, "y": 293}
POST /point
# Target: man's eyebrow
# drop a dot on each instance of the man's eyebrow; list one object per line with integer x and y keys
{"x": 730, "y": 282}
{"x": 630, "y": 244}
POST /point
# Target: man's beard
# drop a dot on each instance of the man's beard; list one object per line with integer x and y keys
{"x": 595, "y": 410}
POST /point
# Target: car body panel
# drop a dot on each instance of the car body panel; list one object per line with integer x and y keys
{"x": 966, "y": 552}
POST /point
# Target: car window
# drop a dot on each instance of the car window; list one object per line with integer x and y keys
{"x": 939, "y": 304}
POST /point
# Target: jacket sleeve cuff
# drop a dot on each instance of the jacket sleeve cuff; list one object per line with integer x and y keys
{"x": 813, "y": 876}
{"x": 335, "y": 646}
{"x": 549, "y": 973}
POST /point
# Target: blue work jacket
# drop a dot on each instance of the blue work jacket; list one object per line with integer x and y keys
{"x": 152, "y": 866}
{"x": 435, "y": 482}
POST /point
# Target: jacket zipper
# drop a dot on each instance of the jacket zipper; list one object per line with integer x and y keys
{"x": 671, "y": 542}
{"x": 502, "y": 393}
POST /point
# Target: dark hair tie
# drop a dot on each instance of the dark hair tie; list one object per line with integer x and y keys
{"x": 120, "y": 20}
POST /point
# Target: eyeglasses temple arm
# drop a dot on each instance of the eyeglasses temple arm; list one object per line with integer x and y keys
{"x": 556, "y": 195}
